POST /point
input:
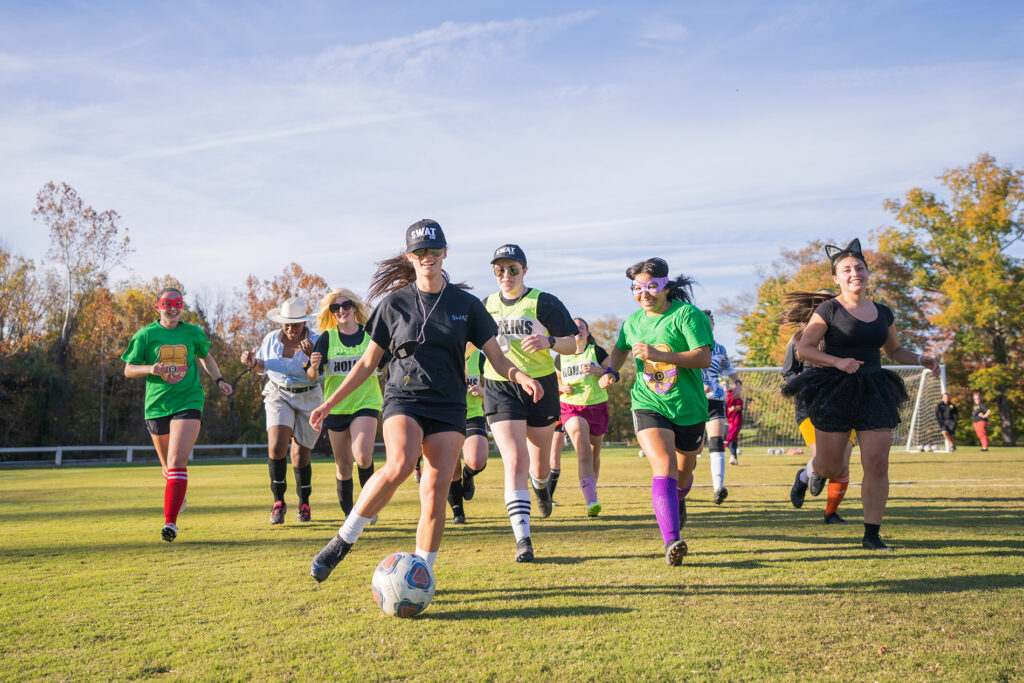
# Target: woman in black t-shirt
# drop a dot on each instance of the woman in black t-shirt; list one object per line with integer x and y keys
{"x": 947, "y": 414}
{"x": 848, "y": 389}
{"x": 424, "y": 322}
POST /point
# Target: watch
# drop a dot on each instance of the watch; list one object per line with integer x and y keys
{"x": 551, "y": 340}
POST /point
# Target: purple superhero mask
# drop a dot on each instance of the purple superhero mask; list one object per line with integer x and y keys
{"x": 652, "y": 286}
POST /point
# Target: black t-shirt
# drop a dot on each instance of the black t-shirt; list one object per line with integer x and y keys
{"x": 324, "y": 343}
{"x": 551, "y": 313}
{"x": 791, "y": 365}
{"x": 976, "y": 412}
{"x": 946, "y": 412}
{"x": 598, "y": 351}
{"x": 434, "y": 376}
{"x": 849, "y": 337}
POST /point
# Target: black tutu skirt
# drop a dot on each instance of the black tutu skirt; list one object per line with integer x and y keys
{"x": 837, "y": 401}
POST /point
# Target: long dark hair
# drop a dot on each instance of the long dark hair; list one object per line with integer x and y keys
{"x": 679, "y": 289}
{"x": 590, "y": 337}
{"x": 799, "y": 308}
{"x": 396, "y": 272}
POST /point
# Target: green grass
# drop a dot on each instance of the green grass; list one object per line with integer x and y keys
{"x": 90, "y": 592}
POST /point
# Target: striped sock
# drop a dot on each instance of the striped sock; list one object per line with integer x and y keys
{"x": 518, "y": 505}
{"x": 174, "y": 493}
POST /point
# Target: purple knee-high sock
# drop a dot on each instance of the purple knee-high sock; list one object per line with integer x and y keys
{"x": 589, "y": 487}
{"x": 665, "y": 499}
{"x": 682, "y": 492}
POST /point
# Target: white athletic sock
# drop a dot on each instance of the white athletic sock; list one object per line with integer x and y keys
{"x": 803, "y": 476}
{"x": 718, "y": 470}
{"x": 808, "y": 471}
{"x": 353, "y": 526}
{"x": 518, "y": 505}
{"x": 539, "y": 483}
{"x": 430, "y": 557}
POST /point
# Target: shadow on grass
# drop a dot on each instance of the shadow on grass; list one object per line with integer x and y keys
{"x": 464, "y": 614}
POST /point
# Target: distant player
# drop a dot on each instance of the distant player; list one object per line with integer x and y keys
{"x": 716, "y": 425}
{"x": 166, "y": 352}
{"x": 585, "y": 408}
{"x": 848, "y": 389}
{"x": 558, "y": 439}
{"x": 734, "y": 417}
{"x": 671, "y": 340}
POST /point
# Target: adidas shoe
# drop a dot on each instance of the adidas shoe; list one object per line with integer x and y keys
{"x": 543, "y": 498}
{"x": 720, "y": 495}
{"x": 277, "y": 512}
{"x": 169, "y": 532}
{"x": 799, "y": 490}
{"x": 675, "y": 552}
{"x": 328, "y": 558}
{"x": 594, "y": 509}
{"x": 524, "y": 550}
{"x": 304, "y": 513}
{"x": 834, "y": 518}
{"x": 815, "y": 483}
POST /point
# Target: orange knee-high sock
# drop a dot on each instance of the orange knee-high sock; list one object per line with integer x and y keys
{"x": 836, "y": 493}
{"x": 174, "y": 493}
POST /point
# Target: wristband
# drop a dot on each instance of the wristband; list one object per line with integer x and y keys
{"x": 551, "y": 341}
{"x": 510, "y": 370}
{"x": 219, "y": 380}
{"x": 613, "y": 373}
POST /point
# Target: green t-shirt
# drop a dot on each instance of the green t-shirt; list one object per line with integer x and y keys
{"x": 177, "y": 348}
{"x": 672, "y": 391}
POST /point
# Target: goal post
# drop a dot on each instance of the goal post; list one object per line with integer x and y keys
{"x": 769, "y": 422}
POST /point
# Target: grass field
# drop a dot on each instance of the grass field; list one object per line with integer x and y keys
{"x": 90, "y": 592}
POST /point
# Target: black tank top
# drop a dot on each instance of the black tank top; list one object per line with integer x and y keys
{"x": 849, "y": 337}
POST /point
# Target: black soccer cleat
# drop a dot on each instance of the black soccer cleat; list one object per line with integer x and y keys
{"x": 675, "y": 552}
{"x": 468, "y": 486}
{"x": 543, "y": 499}
{"x": 720, "y": 495}
{"x": 875, "y": 543}
{"x": 834, "y": 518}
{"x": 524, "y": 550}
{"x": 169, "y": 532}
{"x": 682, "y": 512}
{"x": 328, "y": 558}
{"x": 815, "y": 483}
{"x": 799, "y": 490}
{"x": 459, "y": 519}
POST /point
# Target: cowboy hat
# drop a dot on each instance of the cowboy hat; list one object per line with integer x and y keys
{"x": 291, "y": 311}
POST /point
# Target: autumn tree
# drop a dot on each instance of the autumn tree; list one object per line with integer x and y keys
{"x": 86, "y": 244}
{"x": 957, "y": 248}
{"x": 20, "y": 319}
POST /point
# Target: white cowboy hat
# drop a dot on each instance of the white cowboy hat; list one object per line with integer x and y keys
{"x": 291, "y": 311}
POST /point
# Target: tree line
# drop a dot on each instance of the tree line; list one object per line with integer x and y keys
{"x": 945, "y": 266}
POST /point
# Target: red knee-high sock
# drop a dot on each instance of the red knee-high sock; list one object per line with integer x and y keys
{"x": 836, "y": 492}
{"x": 174, "y": 493}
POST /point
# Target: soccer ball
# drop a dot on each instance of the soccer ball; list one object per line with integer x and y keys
{"x": 403, "y": 585}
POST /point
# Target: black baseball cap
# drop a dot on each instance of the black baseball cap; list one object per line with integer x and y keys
{"x": 424, "y": 234}
{"x": 509, "y": 251}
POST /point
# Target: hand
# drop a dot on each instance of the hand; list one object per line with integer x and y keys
{"x": 316, "y": 418}
{"x": 158, "y": 369}
{"x": 645, "y": 352}
{"x": 848, "y": 365}
{"x": 225, "y": 388}
{"x": 249, "y": 359}
{"x": 708, "y": 390}
{"x": 930, "y": 363}
{"x": 594, "y": 370}
{"x": 564, "y": 389}
{"x": 476, "y": 390}
{"x": 535, "y": 343}
{"x": 532, "y": 386}
{"x": 315, "y": 359}
{"x": 606, "y": 380}
{"x": 306, "y": 346}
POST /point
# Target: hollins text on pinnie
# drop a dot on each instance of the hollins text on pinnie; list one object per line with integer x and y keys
{"x": 515, "y": 326}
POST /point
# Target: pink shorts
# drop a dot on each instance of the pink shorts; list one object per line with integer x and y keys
{"x": 595, "y": 415}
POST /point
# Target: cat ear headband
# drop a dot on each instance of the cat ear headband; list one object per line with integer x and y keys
{"x": 852, "y": 249}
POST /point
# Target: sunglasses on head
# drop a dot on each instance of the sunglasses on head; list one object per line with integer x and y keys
{"x": 420, "y": 253}
{"x": 347, "y": 305}
{"x": 653, "y": 286}
{"x": 512, "y": 270}
{"x": 168, "y": 304}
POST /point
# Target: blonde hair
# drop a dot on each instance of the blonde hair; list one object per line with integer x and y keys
{"x": 325, "y": 319}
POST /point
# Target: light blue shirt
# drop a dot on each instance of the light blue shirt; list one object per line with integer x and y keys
{"x": 285, "y": 372}
{"x": 720, "y": 365}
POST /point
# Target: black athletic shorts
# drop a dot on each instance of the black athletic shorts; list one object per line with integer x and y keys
{"x": 688, "y": 437}
{"x": 476, "y": 426}
{"x": 162, "y": 425}
{"x": 509, "y": 401}
{"x": 716, "y": 410}
{"x": 429, "y": 425}
{"x": 339, "y": 423}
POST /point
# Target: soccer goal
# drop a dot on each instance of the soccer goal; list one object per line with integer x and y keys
{"x": 768, "y": 421}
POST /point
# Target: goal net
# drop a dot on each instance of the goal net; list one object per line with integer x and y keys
{"x": 768, "y": 419}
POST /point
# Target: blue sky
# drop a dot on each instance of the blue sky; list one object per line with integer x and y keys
{"x": 234, "y": 138}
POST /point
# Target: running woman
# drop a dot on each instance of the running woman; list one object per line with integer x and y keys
{"x": 165, "y": 352}
{"x": 531, "y": 323}
{"x": 585, "y": 408}
{"x": 474, "y": 450}
{"x": 848, "y": 389}
{"x": 352, "y": 424}
{"x": 716, "y": 425}
{"x": 800, "y": 307}
{"x": 289, "y": 397}
{"x": 424, "y": 322}
{"x": 947, "y": 415}
{"x": 671, "y": 341}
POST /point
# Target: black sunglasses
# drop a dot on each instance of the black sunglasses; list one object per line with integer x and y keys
{"x": 420, "y": 253}
{"x": 347, "y": 305}
{"x": 512, "y": 270}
